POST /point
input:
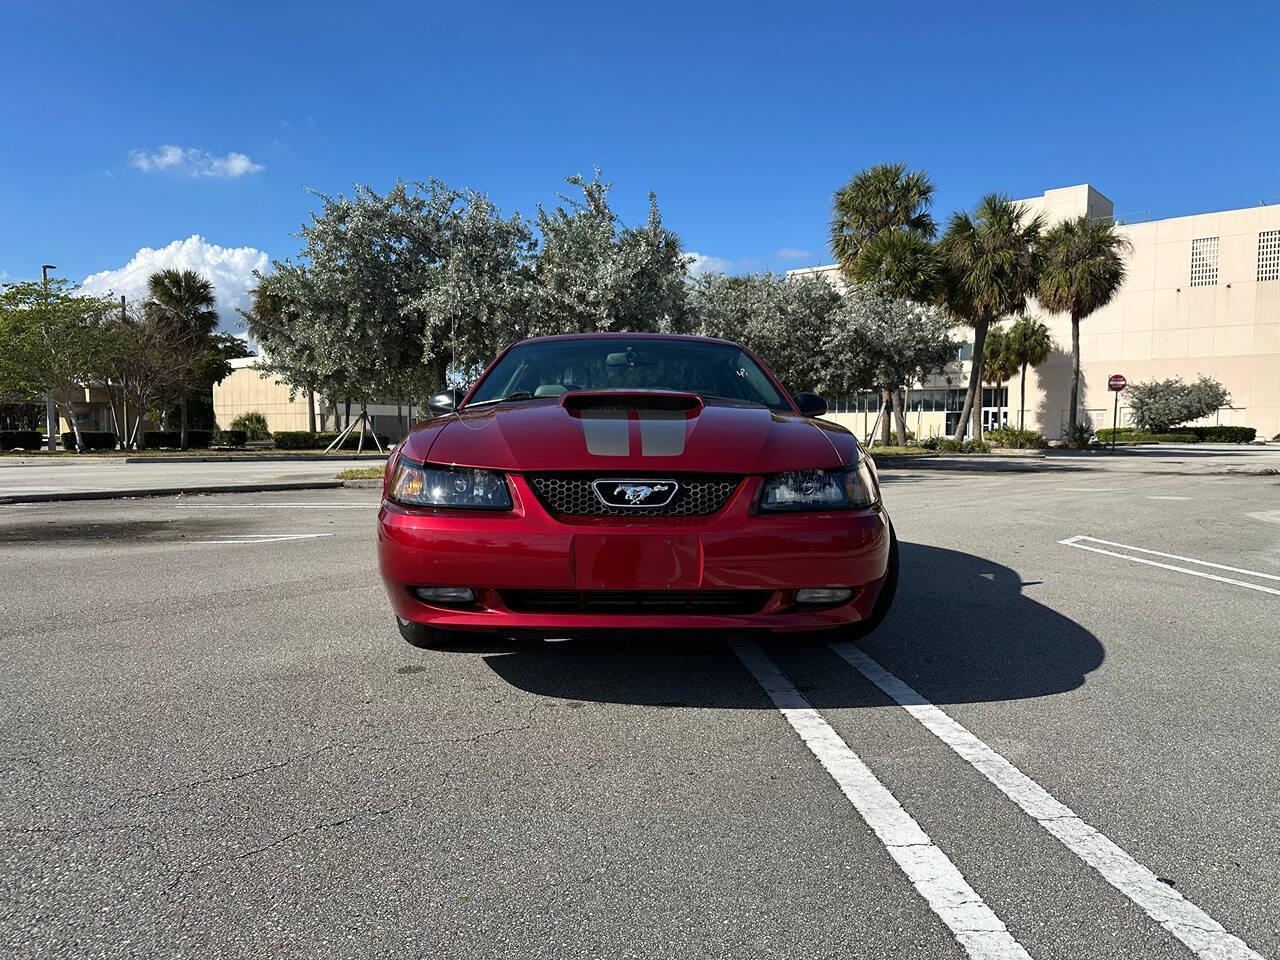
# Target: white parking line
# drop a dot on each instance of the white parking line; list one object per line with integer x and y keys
{"x": 266, "y": 537}
{"x": 982, "y": 934}
{"x": 1079, "y": 543}
{"x": 1198, "y": 931}
{"x": 1149, "y": 497}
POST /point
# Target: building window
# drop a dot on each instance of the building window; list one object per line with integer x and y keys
{"x": 1204, "y": 262}
{"x": 1269, "y": 255}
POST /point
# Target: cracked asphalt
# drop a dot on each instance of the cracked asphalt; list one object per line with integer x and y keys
{"x": 226, "y": 750}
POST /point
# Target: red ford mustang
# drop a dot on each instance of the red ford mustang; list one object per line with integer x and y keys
{"x": 625, "y": 482}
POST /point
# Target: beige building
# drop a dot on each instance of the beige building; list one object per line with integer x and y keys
{"x": 247, "y": 389}
{"x": 1202, "y": 296}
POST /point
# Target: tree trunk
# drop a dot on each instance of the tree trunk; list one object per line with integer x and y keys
{"x": 364, "y": 422}
{"x": 346, "y": 416}
{"x": 1022, "y": 399}
{"x": 311, "y": 411}
{"x": 140, "y": 431}
{"x": 1075, "y": 380}
{"x": 182, "y": 417}
{"x": 75, "y": 427}
{"x": 886, "y": 405}
{"x": 899, "y": 424}
{"x": 972, "y": 409}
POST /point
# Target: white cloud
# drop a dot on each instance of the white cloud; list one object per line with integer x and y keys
{"x": 702, "y": 263}
{"x": 229, "y": 269}
{"x": 793, "y": 254}
{"x": 192, "y": 162}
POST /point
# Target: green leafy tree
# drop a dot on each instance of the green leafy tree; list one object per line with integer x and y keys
{"x": 272, "y": 321}
{"x": 1029, "y": 345}
{"x": 1158, "y": 405}
{"x": 990, "y": 264}
{"x": 783, "y": 320}
{"x": 183, "y": 303}
{"x": 139, "y": 361}
{"x": 878, "y": 341}
{"x": 1084, "y": 266}
{"x": 53, "y": 341}
{"x": 479, "y": 292}
{"x": 592, "y": 274}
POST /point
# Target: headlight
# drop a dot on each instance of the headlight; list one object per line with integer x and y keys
{"x": 430, "y": 486}
{"x": 850, "y": 486}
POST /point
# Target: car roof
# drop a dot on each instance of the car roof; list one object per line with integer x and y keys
{"x": 627, "y": 336}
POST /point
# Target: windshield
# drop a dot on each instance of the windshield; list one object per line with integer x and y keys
{"x": 549, "y": 368}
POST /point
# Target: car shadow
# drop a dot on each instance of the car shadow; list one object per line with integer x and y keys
{"x": 962, "y": 630}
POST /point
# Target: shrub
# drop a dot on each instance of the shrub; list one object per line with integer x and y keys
{"x": 253, "y": 424}
{"x": 21, "y": 439}
{"x": 1016, "y": 439}
{"x": 949, "y": 445}
{"x": 92, "y": 440}
{"x": 1222, "y": 434}
{"x": 172, "y": 439}
{"x": 1084, "y": 434}
{"x": 1158, "y": 405}
{"x": 228, "y": 438}
{"x": 1130, "y": 435}
{"x": 304, "y": 440}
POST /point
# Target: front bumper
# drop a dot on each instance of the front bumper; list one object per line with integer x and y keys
{"x": 529, "y": 549}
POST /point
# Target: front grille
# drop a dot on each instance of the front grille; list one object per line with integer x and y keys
{"x": 638, "y": 602}
{"x": 570, "y": 494}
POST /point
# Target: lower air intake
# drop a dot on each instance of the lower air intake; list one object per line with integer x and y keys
{"x": 637, "y": 602}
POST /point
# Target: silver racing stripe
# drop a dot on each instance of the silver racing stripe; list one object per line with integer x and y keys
{"x": 662, "y": 433}
{"x": 606, "y": 433}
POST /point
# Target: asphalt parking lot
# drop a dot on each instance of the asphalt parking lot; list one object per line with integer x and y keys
{"x": 1061, "y": 744}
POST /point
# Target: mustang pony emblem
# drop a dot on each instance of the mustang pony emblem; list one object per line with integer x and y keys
{"x": 635, "y": 493}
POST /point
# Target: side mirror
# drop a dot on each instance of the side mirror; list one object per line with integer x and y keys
{"x": 445, "y": 401}
{"x": 810, "y": 404}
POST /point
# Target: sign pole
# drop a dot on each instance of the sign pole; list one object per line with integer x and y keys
{"x": 1115, "y": 421}
{"x": 1115, "y": 383}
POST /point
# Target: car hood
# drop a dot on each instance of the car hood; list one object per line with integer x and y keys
{"x": 591, "y": 432}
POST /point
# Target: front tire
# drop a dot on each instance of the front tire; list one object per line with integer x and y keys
{"x": 856, "y": 631}
{"x": 422, "y": 635}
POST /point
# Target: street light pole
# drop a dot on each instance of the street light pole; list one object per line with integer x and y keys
{"x": 50, "y": 420}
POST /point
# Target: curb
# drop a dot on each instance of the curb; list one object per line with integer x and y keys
{"x": 364, "y": 483}
{"x": 255, "y": 458}
{"x": 170, "y": 491}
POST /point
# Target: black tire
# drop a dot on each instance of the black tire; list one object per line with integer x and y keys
{"x": 421, "y": 635}
{"x": 856, "y": 631}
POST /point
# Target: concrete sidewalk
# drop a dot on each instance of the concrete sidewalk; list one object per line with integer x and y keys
{"x": 26, "y": 481}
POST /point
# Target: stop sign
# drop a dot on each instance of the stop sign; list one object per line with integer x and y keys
{"x": 1117, "y": 382}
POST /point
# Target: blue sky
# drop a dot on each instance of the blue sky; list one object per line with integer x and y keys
{"x": 742, "y": 117}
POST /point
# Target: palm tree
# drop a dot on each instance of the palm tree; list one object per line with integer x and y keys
{"x": 998, "y": 365}
{"x": 1028, "y": 345}
{"x": 1083, "y": 269}
{"x": 882, "y": 232}
{"x": 183, "y": 301}
{"x": 990, "y": 265}
{"x": 884, "y": 197}
{"x": 904, "y": 263}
